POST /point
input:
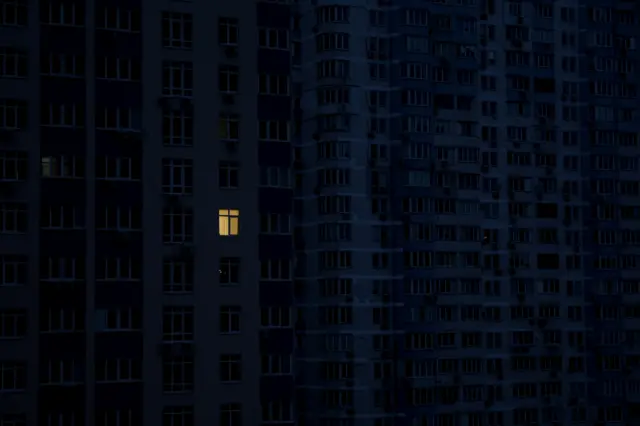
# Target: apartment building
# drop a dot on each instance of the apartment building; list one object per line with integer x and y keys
{"x": 467, "y": 201}
{"x": 324, "y": 213}
{"x": 145, "y": 213}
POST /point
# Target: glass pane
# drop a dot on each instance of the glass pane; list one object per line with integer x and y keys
{"x": 223, "y": 224}
{"x": 234, "y": 226}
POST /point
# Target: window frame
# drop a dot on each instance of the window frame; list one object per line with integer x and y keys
{"x": 228, "y": 222}
{"x": 228, "y": 31}
{"x": 178, "y": 324}
{"x": 127, "y": 370}
{"x": 13, "y": 324}
{"x": 177, "y": 176}
{"x": 180, "y": 225}
{"x": 274, "y": 39}
{"x": 230, "y": 368}
{"x": 229, "y": 267}
{"x": 230, "y": 319}
{"x": 177, "y": 128}
{"x": 184, "y": 269}
{"x": 181, "y": 372}
{"x": 177, "y": 79}
{"x": 119, "y": 20}
{"x": 14, "y": 218}
{"x": 180, "y": 23}
{"x": 228, "y": 175}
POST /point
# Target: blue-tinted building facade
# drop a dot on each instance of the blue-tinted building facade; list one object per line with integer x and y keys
{"x": 147, "y": 213}
{"x": 377, "y": 213}
{"x": 468, "y": 248}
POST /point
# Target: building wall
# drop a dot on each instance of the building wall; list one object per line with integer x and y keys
{"x": 463, "y": 204}
{"x": 499, "y": 281}
{"x": 107, "y": 295}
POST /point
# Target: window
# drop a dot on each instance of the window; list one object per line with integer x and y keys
{"x": 275, "y": 270}
{"x": 275, "y": 177}
{"x": 334, "y": 232}
{"x": 275, "y": 223}
{"x": 177, "y": 78}
{"x": 63, "y": 372}
{"x": 338, "y": 69}
{"x": 118, "y": 119}
{"x": 118, "y": 320}
{"x": 14, "y": 13}
{"x": 13, "y": 323}
{"x": 13, "y": 218}
{"x": 414, "y": 71}
{"x": 116, "y": 19}
{"x": 118, "y": 269}
{"x": 117, "y": 69}
{"x": 228, "y": 31}
{"x": 271, "y": 130}
{"x": 416, "y": 44}
{"x": 229, "y": 127}
{"x": 228, "y": 175}
{"x": 13, "y": 114}
{"x": 112, "y": 417}
{"x": 13, "y": 63}
{"x": 272, "y": 38}
{"x": 118, "y": 168}
{"x": 61, "y": 269}
{"x": 119, "y": 218}
{"x": 65, "y": 14}
{"x": 177, "y": 30}
{"x": 231, "y": 414}
{"x": 416, "y": 17}
{"x": 228, "y": 222}
{"x": 229, "y": 270}
{"x": 275, "y": 317}
{"x": 59, "y": 115}
{"x": 61, "y": 217}
{"x": 273, "y": 84}
{"x": 177, "y": 374}
{"x": 230, "y": 319}
{"x": 228, "y": 79}
{"x": 415, "y": 97}
{"x": 61, "y": 167}
{"x": 276, "y": 365}
{"x": 415, "y": 124}
{"x": 118, "y": 370}
{"x": 63, "y": 65}
{"x": 333, "y": 95}
{"x": 177, "y": 226}
{"x": 334, "y": 150}
{"x": 62, "y": 320}
{"x": 177, "y": 276}
{"x": 178, "y": 415}
{"x": 332, "y": 14}
{"x": 177, "y": 176}
{"x": 13, "y": 419}
{"x": 230, "y": 368}
{"x": 13, "y": 270}
{"x": 377, "y": 18}
{"x": 377, "y": 71}
{"x": 177, "y": 128}
{"x": 13, "y": 376}
{"x": 340, "y": 177}
{"x": 13, "y": 166}
{"x": 332, "y": 42}
{"x": 277, "y": 412}
{"x": 177, "y": 324}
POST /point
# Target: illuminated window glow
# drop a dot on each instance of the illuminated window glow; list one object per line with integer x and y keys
{"x": 228, "y": 222}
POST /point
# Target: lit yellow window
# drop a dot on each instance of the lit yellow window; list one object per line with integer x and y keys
{"x": 228, "y": 222}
